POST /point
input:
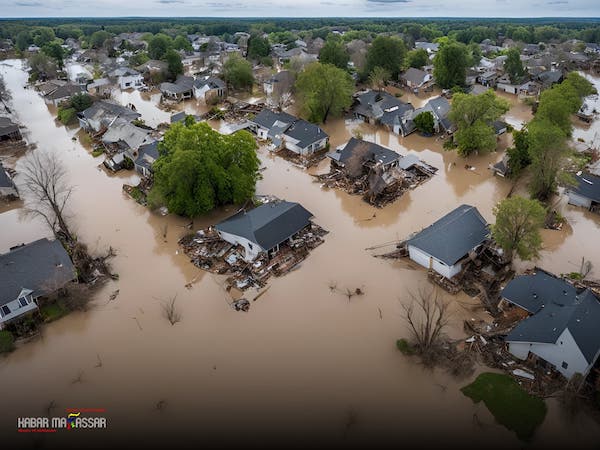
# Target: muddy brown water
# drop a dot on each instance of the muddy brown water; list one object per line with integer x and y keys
{"x": 303, "y": 363}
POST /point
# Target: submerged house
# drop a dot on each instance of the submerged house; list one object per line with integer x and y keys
{"x": 562, "y": 328}
{"x": 7, "y": 186}
{"x": 264, "y": 228}
{"x": 9, "y": 131}
{"x": 444, "y": 245}
{"x": 30, "y": 271}
{"x": 385, "y": 109}
{"x": 127, "y": 78}
{"x": 415, "y": 78}
{"x": 586, "y": 191}
{"x": 146, "y": 157}
{"x": 210, "y": 89}
{"x": 62, "y": 93}
{"x": 182, "y": 89}
{"x": 101, "y": 87}
{"x": 101, "y": 114}
{"x": 123, "y": 140}
{"x": 286, "y": 131}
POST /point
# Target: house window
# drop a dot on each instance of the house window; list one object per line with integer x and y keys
{"x": 23, "y": 301}
{"x": 564, "y": 365}
{"x": 5, "y": 310}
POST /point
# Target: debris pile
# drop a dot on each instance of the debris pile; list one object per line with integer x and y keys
{"x": 378, "y": 186}
{"x": 208, "y": 251}
{"x": 302, "y": 161}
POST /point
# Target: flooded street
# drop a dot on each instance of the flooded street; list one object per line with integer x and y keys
{"x": 303, "y": 362}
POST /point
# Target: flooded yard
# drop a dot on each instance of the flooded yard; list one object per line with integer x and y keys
{"x": 303, "y": 363}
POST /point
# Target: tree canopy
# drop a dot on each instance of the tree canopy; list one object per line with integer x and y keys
{"x": 517, "y": 227}
{"x": 55, "y": 51}
{"x": 175, "y": 66}
{"x": 238, "y": 72}
{"x": 513, "y": 65}
{"x": 158, "y": 45}
{"x": 417, "y": 58}
{"x": 334, "y": 52}
{"x": 378, "y": 78}
{"x": 324, "y": 90}
{"x": 258, "y": 47}
{"x": 450, "y": 65}
{"x": 387, "y": 52}
{"x": 199, "y": 169}
{"x": 424, "y": 122}
{"x": 473, "y": 115}
{"x": 182, "y": 43}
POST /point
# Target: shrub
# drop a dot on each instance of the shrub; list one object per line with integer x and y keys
{"x": 405, "y": 347}
{"x": 66, "y": 115}
{"x": 7, "y": 342}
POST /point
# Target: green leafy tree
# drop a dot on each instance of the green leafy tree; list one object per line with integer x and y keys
{"x": 379, "y": 78}
{"x": 473, "y": 115}
{"x": 182, "y": 43}
{"x": 158, "y": 45}
{"x": 324, "y": 90}
{"x": 547, "y": 149}
{"x": 66, "y": 115}
{"x": 23, "y": 40}
{"x": 40, "y": 63}
{"x": 474, "y": 54}
{"x": 258, "y": 47}
{"x": 387, "y": 52}
{"x": 98, "y": 38}
{"x": 513, "y": 65}
{"x": 175, "y": 66}
{"x": 81, "y": 102}
{"x": 238, "y": 72}
{"x": 199, "y": 169}
{"x": 424, "y": 122}
{"x": 518, "y": 154}
{"x": 55, "y": 51}
{"x": 517, "y": 227}
{"x": 450, "y": 65}
{"x": 417, "y": 58}
{"x": 334, "y": 52}
{"x": 43, "y": 35}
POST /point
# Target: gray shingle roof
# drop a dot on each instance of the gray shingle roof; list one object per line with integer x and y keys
{"x": 376, "y": 152}
{"x": 7, "y": 126}
{"x": 414, "y": 75}
{"x": 266, "y": 118}
{"x": 212, "y": 82}
{"x": 41, "y": 266}
{"x": 269, "y": 224}
{"x": 68, "y": 90}
{"x": 109, "y": 111}
{"x": 305, "y": 133}
{"x": 580, "y": 314}
{"x": 453, "y": 236}
{"x": 532, "y": 292}
{"x": 587, "y": 186}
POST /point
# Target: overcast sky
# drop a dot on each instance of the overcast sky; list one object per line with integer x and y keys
{"x": 300, "y": 8}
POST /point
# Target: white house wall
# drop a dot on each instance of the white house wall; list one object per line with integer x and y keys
{"x": 564, "y": 350}
{"x": 251, "y": 249}
{"x": 429, "y": 262}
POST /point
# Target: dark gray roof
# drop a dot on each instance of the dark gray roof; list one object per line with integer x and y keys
{"x": 580, "y": 315}
{"x": 109, "y": 109}
{"x": 181, "y": 85}
{"x": 7, "y": 126}
{"x": 453, "y": 236}
{"x": 376, "y": 152}
{"x": 42, "y": 266}
{"x": 305, "y": 133}
{"x": 440, "y": 107}
{"x": 5, "y": 180}
{"x": 65, "y": 91}
{"x": 499, "y": 125}
{"x": 212, "y": 82}
{"x": 266, "y": 118}
{"x": 147, "y": 154}
{"x": 269, "y": 224}
{"x": 587, "y": 186}
{"x": 532, "y": 292}
{"x": 550, "y": 76}
{"x": 414, "y": 75}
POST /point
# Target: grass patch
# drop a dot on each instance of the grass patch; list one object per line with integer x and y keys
{"x": 405, "y": 347}
{"x": 7, "y": 342}
{"x": 97, "y": 153}
{"x": 53, "y": 311}
{"x": 510, "y": 404}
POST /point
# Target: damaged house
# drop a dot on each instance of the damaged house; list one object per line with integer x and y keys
{"x": 9, "y": 131}
{"x": 210, "y": 89}
{"x": 127, "y": 78}
{"x": 62, "y": 93}
{"x": 182, "y": 89}
{"x": 286, "y": 131}
{"x": 122, "y": 140}
{"x": 585, "y": 192}
{"x": 146, "y": 156}
{"x": 28, "y": 272}
{"x": 7, "y": 186}
{"x": 378, "y": 173}
{"x": 447, "y": 243}
{"x": 101, "y": 114}
{"x": 383, "y": 108}
{"x": 562, "y": 324}
{"x": 264, "y": 228}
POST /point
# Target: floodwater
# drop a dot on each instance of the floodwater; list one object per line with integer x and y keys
{"x": 304, "y": 363}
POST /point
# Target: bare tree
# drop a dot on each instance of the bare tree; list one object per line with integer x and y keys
{"x": 171, "y": 312}
{"x": 44, "y": 177}
{"x": 428, "y": 319}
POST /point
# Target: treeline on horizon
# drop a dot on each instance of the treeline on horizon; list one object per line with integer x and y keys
{"x": 465, "y": 30}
